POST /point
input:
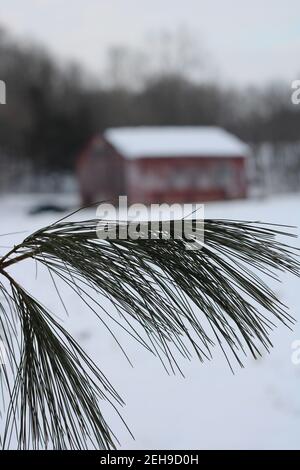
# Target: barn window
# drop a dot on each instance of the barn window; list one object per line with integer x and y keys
{"x": 180, "y": 179}
{"x": 223, "y": 174}
{"x": 204, "y": 178}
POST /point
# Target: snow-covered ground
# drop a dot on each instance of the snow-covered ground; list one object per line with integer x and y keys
{"x": 258, "y": 407}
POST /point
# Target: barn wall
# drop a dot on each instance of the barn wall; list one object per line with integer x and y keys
{"x": 100, "y": 172}
{"x": 187, "y": 179}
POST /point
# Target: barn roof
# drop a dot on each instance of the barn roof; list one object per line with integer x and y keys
{"x": 142, "y": 142}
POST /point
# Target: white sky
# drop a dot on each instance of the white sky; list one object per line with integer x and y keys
{"x": 249, "y": 41}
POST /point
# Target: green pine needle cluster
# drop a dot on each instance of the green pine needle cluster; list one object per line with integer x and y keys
{"x": 173, "y": 301}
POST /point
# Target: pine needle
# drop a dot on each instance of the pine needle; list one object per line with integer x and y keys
{"x": 170, "y": 299}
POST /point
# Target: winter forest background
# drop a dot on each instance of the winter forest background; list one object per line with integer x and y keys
{"x": 54, "y": 108}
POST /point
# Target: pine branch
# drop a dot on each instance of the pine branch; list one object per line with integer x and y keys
{"x": 171, "y": 300}
{"x": 56, "y": 393}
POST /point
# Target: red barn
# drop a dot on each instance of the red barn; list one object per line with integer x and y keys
{"x": 163, "y": 164}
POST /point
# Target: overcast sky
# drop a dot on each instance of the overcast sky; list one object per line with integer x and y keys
{"x": 249, "y": 41}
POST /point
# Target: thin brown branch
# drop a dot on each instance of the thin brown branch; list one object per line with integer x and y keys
{"x": 17, "y": 259}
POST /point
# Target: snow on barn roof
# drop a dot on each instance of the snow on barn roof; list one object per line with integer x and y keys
{"x": 141, "y": 142}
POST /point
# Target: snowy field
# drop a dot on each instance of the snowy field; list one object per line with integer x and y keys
{"x": 257, "y": 408}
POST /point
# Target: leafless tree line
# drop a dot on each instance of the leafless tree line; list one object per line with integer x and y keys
{"x": 53, "y": 109}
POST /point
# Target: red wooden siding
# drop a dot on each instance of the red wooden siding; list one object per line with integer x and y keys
{"x": 187, "y": 179}
{"x": 100, "y": 171}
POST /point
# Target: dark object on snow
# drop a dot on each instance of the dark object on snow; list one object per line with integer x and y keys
{"x": 47, "y": 208}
